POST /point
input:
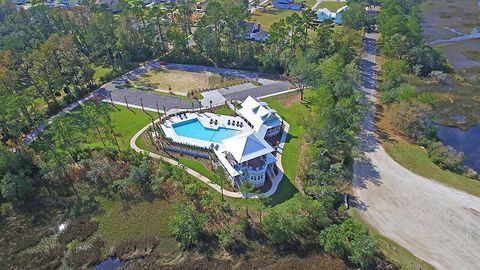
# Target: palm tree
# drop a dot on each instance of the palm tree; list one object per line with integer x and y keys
{"x": 246, "y": 188}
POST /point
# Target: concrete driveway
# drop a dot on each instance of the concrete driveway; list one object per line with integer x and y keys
{"x": 438, "y": 224}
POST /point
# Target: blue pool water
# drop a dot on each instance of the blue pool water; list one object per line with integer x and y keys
{"x": 194, "y": 129}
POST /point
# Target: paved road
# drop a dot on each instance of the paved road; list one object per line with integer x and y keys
{"x": 259, "y": 91}
{"x": 438, "y": 224}
{"x": 150, "y": 99}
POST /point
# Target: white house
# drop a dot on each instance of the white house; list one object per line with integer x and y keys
{"x": 288, "y": 4}
{"x": 247, "y": 157}
{"x": 325, "y": 14}
{"x": 254, "y": 31}
{"x": 263, "y": 120}
{"x": 68, "y": 4}
{"x": 239, "y": 142}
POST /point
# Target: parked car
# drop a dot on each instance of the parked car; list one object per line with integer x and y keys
{"x": 163, "y": 63}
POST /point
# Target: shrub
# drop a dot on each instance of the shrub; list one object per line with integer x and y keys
{"x": 350, "y": 239}
{"x": 470, "y": 173}
{"x": 439, "y": 75}
{"x": 296, "y": 217}
{"x": 445, "y": 156}
{"x": 187, "y": 225}
{"x": 428, "y": 98}
{"x": 411, "y": 118}
{"x": 230, "y": 235}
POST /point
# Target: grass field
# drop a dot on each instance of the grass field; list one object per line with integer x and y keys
{"x": 331, "y": 5}
{"x": 416, "y": 159}
{"x": 403, "y": 258}
{"x": 138, "y": 220}
{"x": 224, "y": 111}
{"x": 291, "y": 113}
{"x": 126, "y": 123}
{"x": 181, "y": 82}
{"x": 199, "y": 167}
{"x": 266, "y": 17}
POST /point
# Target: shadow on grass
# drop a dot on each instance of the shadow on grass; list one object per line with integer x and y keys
{"x": 285, "y": 191}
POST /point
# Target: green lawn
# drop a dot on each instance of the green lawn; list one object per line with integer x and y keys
{"x": 127, "y": 122}
{"x": 310, "y": 3}
{"x": 224, "y": 111}
{"x": 100, "y": 73}
{"x": 416, "y": 159}
{"x": 291, "y": 149}
{"x": 140, "y": 219}
{"x": 403, "y": 258}
{"x": 198, "y": 167}
{"x": 331, "y": 5}
{"x": 266, "y": 17}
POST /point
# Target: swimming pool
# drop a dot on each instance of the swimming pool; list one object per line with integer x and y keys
{"x": 194, "y": 129}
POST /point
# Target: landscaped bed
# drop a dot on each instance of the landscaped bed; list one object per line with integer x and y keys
{"x": 181, "y": 82}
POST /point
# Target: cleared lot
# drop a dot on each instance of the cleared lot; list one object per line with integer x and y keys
{"x": 181, "y": 82}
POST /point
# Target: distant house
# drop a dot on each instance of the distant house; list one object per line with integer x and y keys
{"x": 68, "y": 4}
{"x": 200, "y": 6}
{"x": 288, "y": 4}
{"x": 19, "y": 2}
{"x": 325, "y": 14}
{"x": 254, "y": 31}
{"x": 112, "y": 4}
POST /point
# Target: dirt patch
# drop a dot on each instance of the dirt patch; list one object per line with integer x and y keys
{"x": 288, "y": 100}
{"x": 181, "y": 82}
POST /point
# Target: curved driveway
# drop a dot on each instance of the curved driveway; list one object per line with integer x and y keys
{"x": 438, "y": 224}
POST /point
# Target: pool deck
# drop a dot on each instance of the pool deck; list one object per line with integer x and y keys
{"x": 233, "y": 194}
{"x": 204, "y": 119}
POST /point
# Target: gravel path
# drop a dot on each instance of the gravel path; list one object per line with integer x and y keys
{"x": 438, "y": 224}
